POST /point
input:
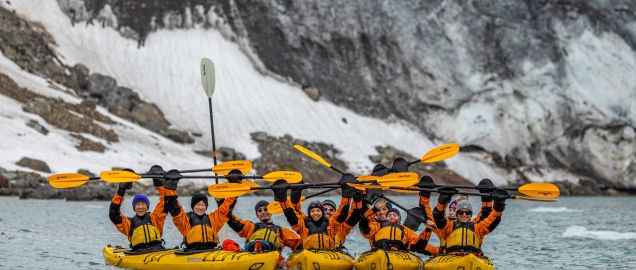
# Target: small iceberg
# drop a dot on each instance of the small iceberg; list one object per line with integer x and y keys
{"x": 582, "y": 232}
{"x": 553, "y": 210}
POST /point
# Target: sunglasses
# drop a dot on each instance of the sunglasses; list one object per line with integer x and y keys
{"x": 262, "y": 209}
{"x": 330, "y": 210}
{"x": 460, "y": 213}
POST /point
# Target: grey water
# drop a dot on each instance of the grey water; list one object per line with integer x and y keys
{"x": 575, "y": 233}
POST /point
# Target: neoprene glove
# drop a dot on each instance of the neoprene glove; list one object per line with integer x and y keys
{"x": 172, "y": 179}
{"x": 400, "y": 165}
{"x": 235, "y": 176}
{"x": 446, "y": 194}
{"x": 171, "y": 205}
{"x": 347, "y": 190}
{"x": 486, "y": 186}
{"x": 426, "y": 182}
{"x": 357, "y": 196}
{"x": 296, "y": 194}
{"x": 156, "y": 170}
{"x": 499, "y": 196}
{"x": 123, "y": 187}
{"x": 280, "y": 188}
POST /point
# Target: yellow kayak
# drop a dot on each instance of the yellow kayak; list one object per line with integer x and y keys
{"x": 319, "y": 259}
{"x": 167, "y": 259}
{"x": 467, "y": 262}
{"x": 388, "y": 259}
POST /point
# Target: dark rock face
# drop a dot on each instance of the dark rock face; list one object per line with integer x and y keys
{"x": 37, "y": 126}
{"x": 35, "y": 164}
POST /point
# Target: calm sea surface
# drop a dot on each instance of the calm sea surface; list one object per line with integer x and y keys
{"x": 576, "y": 233}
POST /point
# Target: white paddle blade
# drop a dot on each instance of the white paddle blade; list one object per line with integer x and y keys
{"x": 207, "y": 76}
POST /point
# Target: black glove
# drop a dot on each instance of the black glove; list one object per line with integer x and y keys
{"x": 486, "y": 186}
{"x": 446, "y": 194}
{"x": 172, "y": 179}
{"x": 372, "y": 195}
{"x": 357, "y": 196}
{"x": 235, "y": 176}
{"x": 171, "y": 205}
{"x": 219, "y": 201}
{"x": 499, "y": 196}
{"x": 426, "y": 182}
{"x": 123, "y": 187}
{"x": 347, "y": 190}
{"x": 156, "y": 170}
{"x": 400, "y": 165}
{"x": 280, "y": 188}
{"x": 295, "y": 195}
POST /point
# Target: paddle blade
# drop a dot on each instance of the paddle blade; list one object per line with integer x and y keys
{"x": 119, "y": 176}
{"x": 291, "y": 177}
{"x": 224, "y": 168}
{"x": 440, "y": 153}
{"x": 207, "y": 76}
{"x": 229, "y": 190}
{"x": 366, "y": 186}
{"x": 405, "y": 191}
{"x": 312, "y": 155}
{"x": 67, "y": 180}
{"x": 367, "y": 178}
{"x": 535, "y": 199}
{"x": 403, "y": 179}
{"x": 541, "y": 190}
{"x": 274, "y": 207}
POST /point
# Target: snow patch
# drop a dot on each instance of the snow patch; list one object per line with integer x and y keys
{"x": 582, "y": 232}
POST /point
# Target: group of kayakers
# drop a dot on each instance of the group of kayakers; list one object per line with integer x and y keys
{"x": 323, "y": 225}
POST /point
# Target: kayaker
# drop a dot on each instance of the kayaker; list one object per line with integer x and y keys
{"x": 144, "y": 230}
{"x": 199, "y": 230}
{"x": 263, "y": 233}
{"x": 392, "y": 235}
{"x": 316, "y": 231}
{"x": 330, "y": 207}
{"x": 465, "y": 235}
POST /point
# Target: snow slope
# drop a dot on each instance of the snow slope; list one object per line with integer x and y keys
{"x": 165, "y": 72}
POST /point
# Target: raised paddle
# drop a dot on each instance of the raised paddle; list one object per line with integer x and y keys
{"x": 545, "y": 190}
{"x": 117, "y": 176}
{"x": 224, "y": 168}
{"x": 541, "y": 197}
{"x": 208, "y": 80}
{"x": 69, "y": 180}
{"x": 228, "y": 190}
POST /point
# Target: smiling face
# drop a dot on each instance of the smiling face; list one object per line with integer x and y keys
{"x": 199, "y": 208}
{"x": 463, "y": 216}
{"x": 141, "y": 208}
{"x": 315, "y": 214}
{"x": 393, "y": 218}
{"x": 329, "y": 211}
{"x": 452, "y": 214}
{"x": 263, "y": 214}
{"x": 382, "y": 210}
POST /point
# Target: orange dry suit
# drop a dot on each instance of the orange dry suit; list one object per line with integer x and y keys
{"x": 277, "y": 236}
{"x": 200, "y": 232}
{"x": 320, "y": 234}
{"x": 144, "y": 231}
{"x": 457, "y": 237}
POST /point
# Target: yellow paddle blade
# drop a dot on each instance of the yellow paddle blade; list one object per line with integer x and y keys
{"x": 291, "y": 177}
{"x": 67, "y": 180}
{"x": 535, "y": 199}
{"x": 312, "y": 155}
{"x": 405, "y": 191}
{"x": 229, "y": 190}
{"x": 403, "y": 179}
{"x": 440, "y": 153}
{"x": 119, "y": 176}
{"x": 541, "y": 190}
{"x": 367, "y": 186}
{"x": 274, "y": 207}
{"x": 224, "y": 168}
{"x": 367, "y": 178}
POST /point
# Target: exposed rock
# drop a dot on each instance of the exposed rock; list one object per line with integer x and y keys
{"x": 226, "y": 153}
{"x": 39, "y": 128}
{"x": 34, "y": 164}
{"x": 86, "y": 172}
{"x": 88, "y": 145}
{"x": 312, "y": 92}
{"x": 277, "y": 153}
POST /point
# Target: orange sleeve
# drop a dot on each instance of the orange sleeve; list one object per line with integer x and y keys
{"x": 373, "y": 225}
{"x": 289, "y": 238}
{"x": 426, "y": 203}
{"x": 434, "y": 250}
{"x": 124, "y": 226}
{"x": 300, "y": 227}
{"x": 410, "y": 235}
{"x": 248, "y": 228}
{"x": 335, "y": 228}
{"x": 299, "y": 211}
{"x": 481, "y": 228}
{"x": 442, "y": 233}
{"x": 219, "y": 217}
{"x": 181, "y": 221}
{"x": 157, "y": 216}
{"x": 478, "y": 218}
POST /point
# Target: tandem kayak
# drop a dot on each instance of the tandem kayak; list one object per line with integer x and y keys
{"x": 319, "y": 259}
{"x": 466, "y": 262}
{"x": 177, "y": 259}
{"x": 388, "y": 259}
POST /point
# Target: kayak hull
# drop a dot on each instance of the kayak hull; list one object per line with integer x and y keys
{"x": 319, "y": 259}
{"x": 167, "y": 259}
{"x": 388, "y": 259}
{"x": 466, "y": 262}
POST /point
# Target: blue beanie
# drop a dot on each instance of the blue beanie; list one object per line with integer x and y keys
{"x": 140, "y": 198}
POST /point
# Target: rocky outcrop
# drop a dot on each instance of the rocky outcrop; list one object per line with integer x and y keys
{"x": 34, "y": 164}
